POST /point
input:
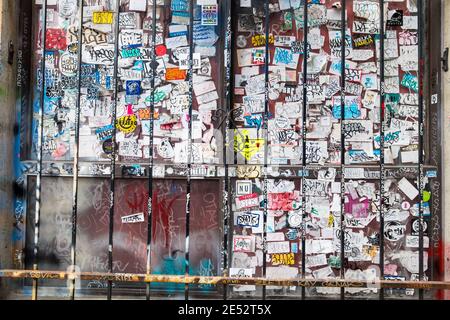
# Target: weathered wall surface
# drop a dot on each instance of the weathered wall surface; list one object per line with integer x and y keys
{"x": 445, "y": 143}
{"x": 7, "y": 105}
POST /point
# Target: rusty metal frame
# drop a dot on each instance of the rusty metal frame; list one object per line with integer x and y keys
{"x": 145, "y": 278}
{"x": 423, "y": 14}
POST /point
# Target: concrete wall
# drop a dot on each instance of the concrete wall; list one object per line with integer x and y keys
{"x": 8, "y": 28}
{"x": 446, "y": 143}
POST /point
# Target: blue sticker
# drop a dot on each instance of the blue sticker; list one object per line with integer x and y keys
{"x": 133, "y": 87}
{"x": 432, "y": 174}
{"x": 410, "y": 81}
{"x": 204, "y": 35}
{"x": 179, "y": 5}
{"x": 294, "y": 247}
{"x": 350, "y": 112}
{"x": 105, "y": 133}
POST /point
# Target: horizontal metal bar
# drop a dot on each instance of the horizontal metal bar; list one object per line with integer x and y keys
{"x": 144, "y": 278}
{"x": 145, "y": 164}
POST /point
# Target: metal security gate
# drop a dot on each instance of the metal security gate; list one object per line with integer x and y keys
{"x": 240, "y": 168}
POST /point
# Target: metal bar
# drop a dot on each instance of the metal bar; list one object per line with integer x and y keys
{"x": 266, "y": 135}
{"x": 37, "y": 213}
{"x": 382, "y": 124}
{"x": 421, "y": 180}
{"x": 189, "y": 153}
{"x": 312, "y": 167}
{"x": 76, "y": 152}
{"x": 298, "y": 282}
{"x": 150, "y": 167}
{"x": 432, "y": 134}
{"x": 226, "y": 183}
{"x": 342, "y": 225}
{"x": 113, "y": 154}
{"x": 304, "y": 115}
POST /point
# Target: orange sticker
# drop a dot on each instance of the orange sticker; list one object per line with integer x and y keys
{"x": 175, "y": 74}
{"x": 144, "y": 114}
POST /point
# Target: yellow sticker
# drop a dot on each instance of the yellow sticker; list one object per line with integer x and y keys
{"x": 127, "y": 124}
{"x": 283, "y": 259}
{"x": 102, "y": 17}
{"x": 248, "y": 172}
{"x": 330, "y": 220}
{"x": 246, "y": 146}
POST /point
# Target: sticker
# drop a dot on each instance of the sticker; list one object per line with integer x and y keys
{"x": 248, "y": 219}
{"x": 241, "y": 41}
{"x": 107, "y": 146}
{"x": 279, "y": 247}
{"x": 210, "y": 15}
{"x": 133, "y": 87}
{"x": 160, "y": 50}
{"x": 243, "y": 187}
{"x": 414, "y": 242}
{"x": 282, "y": 259}
{"x": 105, "y": 133}
{"x": 247, "y": 201}
{"x": 134, "y": 218}
{"x": 395, "y": 18}
{"x": 68, "y": 64}
{"x": 292, "y": 234}
{"x": 175, "y": 74}
{"x": 295, "y": 219}
{"x": 55, "y": 39}
{"x": 66, "y": 8}
{"x": 243, "y": 244}
{"x": 102, "y": 17}
{"x": 406, "y": 205}
{"x": 127, "y": 124}
{"x": 394, "y": 231}
{"x": 415, "y": 227}
{"x": 245, "y": 146}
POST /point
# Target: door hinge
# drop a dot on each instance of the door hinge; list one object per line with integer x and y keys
{"x": 444, "y": 60}
{"x": 11, "y": 53}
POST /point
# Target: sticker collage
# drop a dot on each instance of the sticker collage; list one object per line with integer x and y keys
{"x": 303, "y": 140}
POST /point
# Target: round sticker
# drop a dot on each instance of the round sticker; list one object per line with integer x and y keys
{"x": 107, "y": 146}
{"x": 295, "y": 219}
{"x": 394, "y": 231}
{"x": 165, "y": 149}
{"x": 127, "y": 124}
{"x": 426, "y": 196}
{"x": 292, "y": 234}
{"x": 68, "y": 64}
{"x": 160, "y": 50}
{"x": 406, "y": 205}
{"x": 67, "y": 8}
{"x": 241, "y": 41}
{"x": 282, "y": 122}
{"x": 415, "y": 226}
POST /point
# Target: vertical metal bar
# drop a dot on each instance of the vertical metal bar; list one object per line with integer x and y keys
{"x": 150, "y": 167}
{"x": 226, "y": 182}
{"x": 342, "y": 224}
{"x": 37, "y": 215}
{"x": 382, "y": 124}
{"x": 304, "y": 114}
{"x": 265, "y": 131}
{"x": 113, "y": 154}
{"x": 421, "y": 27}
{"x": 189, "y": 153}
{"x": 76, "y": 153}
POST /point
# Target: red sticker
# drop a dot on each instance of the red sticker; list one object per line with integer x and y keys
{"x": 160, "y": 50}
{"x": 55, "y": 39}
